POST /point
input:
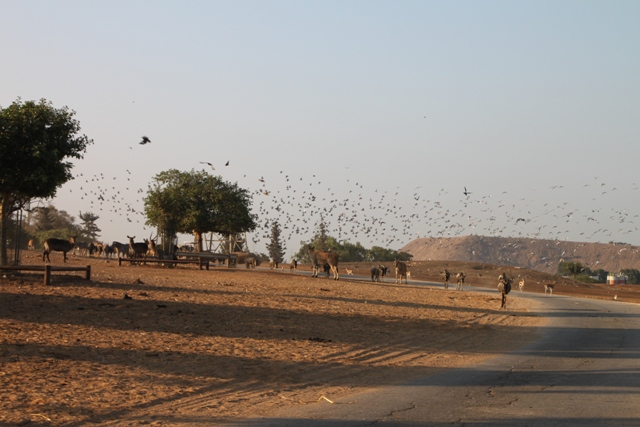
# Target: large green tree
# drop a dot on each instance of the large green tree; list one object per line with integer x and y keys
{"x": 36, "y": 143}
{"x": 196, "y": 203}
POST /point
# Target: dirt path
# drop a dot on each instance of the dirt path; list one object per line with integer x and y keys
{"x": 187, "y": 346}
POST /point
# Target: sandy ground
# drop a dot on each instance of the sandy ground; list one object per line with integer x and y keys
{"x": 160, "y": 346}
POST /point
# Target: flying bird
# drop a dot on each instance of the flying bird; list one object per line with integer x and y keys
{"x": 207, "y": 163}
{"x": 145, "y": 140}
{"x": 227, "y": 164}
{"x": 466, "y": 193}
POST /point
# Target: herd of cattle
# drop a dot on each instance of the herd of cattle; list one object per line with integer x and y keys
{"x": 327, "y": 261}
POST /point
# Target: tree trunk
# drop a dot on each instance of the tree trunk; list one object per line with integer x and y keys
{"x": 198, "y": 237}
{"x": 5, "y": 212}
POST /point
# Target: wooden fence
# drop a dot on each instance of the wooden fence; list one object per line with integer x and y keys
{"x": 48, "y": 269}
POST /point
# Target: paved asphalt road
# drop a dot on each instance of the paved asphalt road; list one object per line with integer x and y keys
{"x": 583, "y": 371}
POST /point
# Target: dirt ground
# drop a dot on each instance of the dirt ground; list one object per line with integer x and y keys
{"x": 180, "y": 346}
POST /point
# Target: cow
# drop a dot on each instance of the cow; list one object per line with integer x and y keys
{"x": 320, "y": 258}
{"x": 460, "y": 280}
{"x": 293, "y": 266}
{"x": 401, "y": 271}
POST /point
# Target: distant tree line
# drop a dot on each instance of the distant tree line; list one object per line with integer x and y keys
{"x": 348, "y": 252}
{"x": 582, "y": 273}
{"x": 42, "y": 223}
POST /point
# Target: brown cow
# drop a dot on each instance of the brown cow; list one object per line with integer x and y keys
{"x": 320, "y": 258}
{"x": 401, "y": 270}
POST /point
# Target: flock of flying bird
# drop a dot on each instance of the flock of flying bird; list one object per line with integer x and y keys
{"x": 355, "y": 213}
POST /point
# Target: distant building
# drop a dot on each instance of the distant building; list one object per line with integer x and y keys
{"x": 616, "y": 279}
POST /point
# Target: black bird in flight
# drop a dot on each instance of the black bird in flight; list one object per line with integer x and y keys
{"x": 207, "y": 163}
{"x": 466, "y": 193}
{"x": 227, "y": 164}
{"x": 145, "y": 140}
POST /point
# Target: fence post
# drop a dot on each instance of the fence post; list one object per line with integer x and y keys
{"x": 88, "y": 275}
{"x": 47, "y": 275}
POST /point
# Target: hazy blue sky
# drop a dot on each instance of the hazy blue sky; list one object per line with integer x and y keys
{"x": 533, "y": 106}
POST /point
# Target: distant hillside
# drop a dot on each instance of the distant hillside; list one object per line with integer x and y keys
{"x": 534, "y": 254}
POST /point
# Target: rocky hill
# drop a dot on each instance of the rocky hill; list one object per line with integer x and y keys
{"x": 534, "y": 254}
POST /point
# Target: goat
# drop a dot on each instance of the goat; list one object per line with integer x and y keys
{"x": 349, "y": 272}
{"x": 548, "y": 288}
{"x": 460, "y": 280}
{"x": 401, "y": 270}
{"x": 250, "y": 262}
{"x": 408, "y": 275}
{"x": 59, "y": 245}
{"x": 327, "y": 269}
{"x": 31, "y": 246}
{"x": 293, "y": 266}
{"x": 137, "y": 249}
{"x": 384, "y": 270}
{"x": 446, "y": 275}
{"x": 272, "y": 264}
{"x": 521, "y": 285}
{"x": 320, "y": 258}
{"x": 375, "y": 274}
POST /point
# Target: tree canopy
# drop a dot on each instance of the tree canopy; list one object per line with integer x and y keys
{"x": 196, "y": 203}
{"x": 36, "y": 141}
{"x": 348, "y": 252}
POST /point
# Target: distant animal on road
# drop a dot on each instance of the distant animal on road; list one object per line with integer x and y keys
{"x": 293, "y": 266}
{"x": 31, "y": 247}
{"x": 548, "y": 288}
{"x": 446, "y": 275}
{"x": 320, "y": 258}
{"x": 401, "y": 270}
{"x": 504, "y": 286}
{"x": 349, "y": 272}
{"x": 521, "y": 285}
{"x": 460, "y": 280}
{"x": 384, "y": 270}
{"x": 375, "y": 274}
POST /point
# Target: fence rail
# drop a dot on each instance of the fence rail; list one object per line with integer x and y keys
{"x": 48, "y": 269}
